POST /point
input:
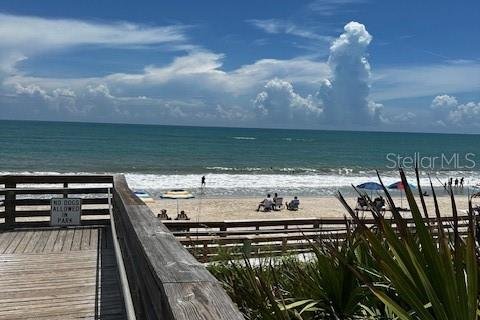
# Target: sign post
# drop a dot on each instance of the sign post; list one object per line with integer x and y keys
{"x": 65, "y": 212}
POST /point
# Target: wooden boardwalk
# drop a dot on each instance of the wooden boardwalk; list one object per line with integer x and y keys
{"x": 59, "y": 274}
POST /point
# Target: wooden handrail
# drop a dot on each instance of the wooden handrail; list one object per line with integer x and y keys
{"x": 209, "y": 241}
{"x": 122, "y": 273}
{"x": 278, "y": 222}
{"x": 167, "y": 282}
{"x": 55, "y": 179}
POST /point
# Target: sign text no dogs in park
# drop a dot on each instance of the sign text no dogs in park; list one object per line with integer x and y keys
{"x": 65, "y": 212}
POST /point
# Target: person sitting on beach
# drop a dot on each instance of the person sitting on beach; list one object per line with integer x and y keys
{"x": 293, "y": 205}
{"x": 267, "y": 204}
{"x": 182, "y": 216}
{"x": 163, "y": 215}
{"x": 379, "y": 203}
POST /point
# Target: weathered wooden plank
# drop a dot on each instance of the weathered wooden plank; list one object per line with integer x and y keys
{"x": 235, "y": 232}
{"x": 52, "y": 238}
{"x": 85, "y": 242}
{"x": 54, "y": 191}
{"x": 53, "y": 179}
{"x": 6, "y": 239}
{"x": 14, "y": 243}
{"x": 68, "y": 242}
{"x": 47, "y": 213}
{"x": 161, "y": 269}
{"x": 25, "y": 241}
{"x": 60, "y": 241}
{"x": 51, "y": 285}
{"x": 199, "y": 301}
{"x": 41, "y": 242}
{"x": 291, "y": 222}
{"x": 46, "y": 223}
{"x": 94, "y": 238}
{"x": 33, "y": 241}
{"x": 46, "y": 202}
{"x": 77, "y": 239}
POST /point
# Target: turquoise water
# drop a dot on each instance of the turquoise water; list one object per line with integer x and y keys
{"x": 232, "y": 158}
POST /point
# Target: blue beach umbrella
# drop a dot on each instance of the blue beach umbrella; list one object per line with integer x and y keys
{"x": 370, "y": 186}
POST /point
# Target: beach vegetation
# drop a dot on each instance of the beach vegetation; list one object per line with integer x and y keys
{"x": 394, "y": 269}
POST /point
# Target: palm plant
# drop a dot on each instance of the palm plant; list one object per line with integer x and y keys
{"x": 425, "y": 273}
{"x": 395, "y": 269}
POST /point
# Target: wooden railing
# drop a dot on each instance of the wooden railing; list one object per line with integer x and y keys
{"x": 166, "y": 281}
{"x": 25, "y": 199}
{"x": 209, "y": 241}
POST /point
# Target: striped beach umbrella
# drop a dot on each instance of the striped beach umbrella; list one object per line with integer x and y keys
{"x": 400, "y": 186}
{"x": 177, "y": 194}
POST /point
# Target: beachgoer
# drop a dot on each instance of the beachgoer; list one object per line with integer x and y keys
{"x": 450, "y": 182}
{"x": 461, "y": 182}
{"x": 163, "y": 215}
{"x": 294, "y": 203}
{"x": 182, "y": 216}
{"x": 456, "y": 182}
{"x": 203, "y": 181}
{"x": 266, "y": 203}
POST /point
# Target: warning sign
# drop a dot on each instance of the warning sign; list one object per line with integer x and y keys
{"x": 65, "y": 212}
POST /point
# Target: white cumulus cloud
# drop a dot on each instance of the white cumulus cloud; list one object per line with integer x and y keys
{"x": 444, "y": 101}
{"x": 448, "y": 111}
{"x": 279, "y": 103}
{"x": 346, "y": 93}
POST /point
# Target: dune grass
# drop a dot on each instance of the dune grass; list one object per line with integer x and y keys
{"x": 379, "y": 272}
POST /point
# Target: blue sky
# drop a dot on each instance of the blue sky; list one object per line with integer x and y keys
{"x": 323, "y": 64}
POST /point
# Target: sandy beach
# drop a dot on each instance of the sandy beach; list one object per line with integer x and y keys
{"x": 220, "y": 209}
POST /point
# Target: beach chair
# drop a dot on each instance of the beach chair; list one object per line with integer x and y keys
{"x": 267, "y": 206}
{"x": 293, "y": 205}
{"x": 182, "y": 216}
{"x": 278, "y": 204}
{"x": 163, "y": 215}
{"x": 379, "y": 203}
{"x": 361, "y": 204}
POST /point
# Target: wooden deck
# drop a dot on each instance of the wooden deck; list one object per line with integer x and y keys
{"x": 59, "y": 274}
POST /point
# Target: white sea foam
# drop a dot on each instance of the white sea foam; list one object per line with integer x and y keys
{"x": 244, "y": 138}
{"x": 221, "y": 184}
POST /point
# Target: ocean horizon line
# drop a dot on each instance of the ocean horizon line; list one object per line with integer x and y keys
{"x": 239, "y": 127}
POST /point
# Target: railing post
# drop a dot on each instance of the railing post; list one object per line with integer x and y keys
{"x": 223, "y": 229}
{"x": 65, "y": 192}
{"x": 10, "y": 206}
{"x": 247, "y": 247}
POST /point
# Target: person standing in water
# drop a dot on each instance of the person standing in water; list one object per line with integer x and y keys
{"x": 203, "y": 182}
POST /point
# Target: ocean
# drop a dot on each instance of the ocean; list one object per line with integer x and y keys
{"x": 235, "y": 161}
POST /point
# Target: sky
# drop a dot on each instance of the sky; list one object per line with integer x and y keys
{"x": 318, "y": 64}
